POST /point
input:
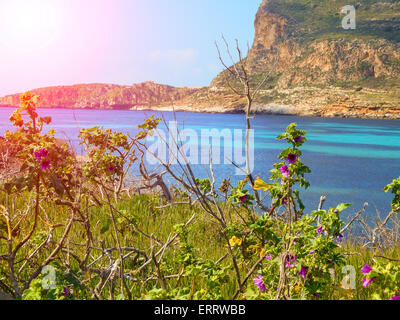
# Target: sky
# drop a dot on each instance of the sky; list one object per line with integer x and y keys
{"x": 65, "y": 42}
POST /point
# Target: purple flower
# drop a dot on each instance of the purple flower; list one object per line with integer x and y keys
{"x": 291, "y": 258}
{"x": 269, "y": 257}
{"x": 298, "y": 139}
{"x": 292, "y": 158}
{"x": 366, "y": 269}
{"x": 319, "y": 230}
{"x": 312, "y": 252}
{"x": 43, "y": 153}
{"x": 38, "y": 156}
{"x": 45, "y": 165}
{"x": 285, "y": 201}
{"x": 258, "y": 281}
{"x": 66, "y": 292}
{"x": 336, "y": 211}
{"x": 395, "y": 297}
{"x": 285, "y": 170}
{"x": 366, "y": 282}
{"x": 340, "y": 237}
{"x": 243, "y": 199}
{"x": 303, "y": 272}
{"x": 317, "y": 295}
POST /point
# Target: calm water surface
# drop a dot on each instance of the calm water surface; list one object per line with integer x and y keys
{"x": 351, "y": 159}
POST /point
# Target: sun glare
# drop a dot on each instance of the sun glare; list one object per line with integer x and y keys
{"x": 29, "y": 25}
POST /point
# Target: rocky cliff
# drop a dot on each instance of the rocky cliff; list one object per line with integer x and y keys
{"x": 316, "y": 67}
{"x": 104, "y": 96}
{"x": 319, "y": 68}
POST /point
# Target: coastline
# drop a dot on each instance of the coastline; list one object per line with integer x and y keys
{"x": 341, "y": 112}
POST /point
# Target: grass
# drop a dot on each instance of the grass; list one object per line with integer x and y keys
{"x": 204, "y": 236}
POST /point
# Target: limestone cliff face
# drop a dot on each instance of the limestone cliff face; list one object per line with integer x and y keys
{"x": 319, "y": 68}
{"x": 104, "y": 96}
{"x": 318, "y": 50}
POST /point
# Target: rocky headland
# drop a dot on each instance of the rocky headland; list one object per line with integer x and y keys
{"x": 316, "y": 68}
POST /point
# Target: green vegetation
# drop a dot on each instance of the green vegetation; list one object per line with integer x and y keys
{"x": 75, "y": 229}
{"x": 320, "y": 20}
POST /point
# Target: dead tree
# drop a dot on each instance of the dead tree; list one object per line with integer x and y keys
{"x": 239, "y": 72}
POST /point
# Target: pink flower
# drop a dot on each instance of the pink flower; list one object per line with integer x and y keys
{"x": 303, "y": 272}
{"x": 285, "y": 170}
{"x": 395, "y": 297}
{"x": 319, "y": 230}
{"x": 366, "y": 269}
{"x": 292, "y": 158}
{"x": 298, "y": 139}
{"x": 45, "y": 165}
{"x": 44, "y": 153}
{"x": 269, "y": 257}
{"x": 258, "y": 281}
{"x": 366, "y": 282}
{"x": 243, "y": 199}
{"x": 289, "y": 259}
{"x": 38, "y": 156}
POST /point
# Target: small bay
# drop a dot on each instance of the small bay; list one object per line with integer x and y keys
{"x": 351, "y": 159}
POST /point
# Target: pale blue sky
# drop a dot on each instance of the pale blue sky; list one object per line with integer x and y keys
{"x": 66, "y": 42}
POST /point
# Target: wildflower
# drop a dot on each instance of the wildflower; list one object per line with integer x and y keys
{"x": 44, "y": 153}
{"x": 336, "y": 211}
{"x": 45, "y": 165}
{"x": 292, "y": 158}
{"x": 176, "y": 243}
{"x": 312, "y": 252}
{"x": 285, "y": 201}
{"x": 258, "y": 281}
{"x": 395, "y": 297}
{"x": 111, "y": 169}
{"x": 366, "y": 282}
{"x": 317, "y": 295}
{"x": 298, "y": 139}
{"x": 243, "y": 199}
{"x": 235, "y": 241}
{"x": 269, "y": 257}
{"x": 289, "y": 259}
{"x": 319, "y": 230}
{"x": 303, "y": 272}
{"x": 366, "y": 269}
{"x": 38, "y": 156}
{"x": 340, "y": 237}
{"x": 66, "y": 292}
{"x": 285, "y": 170}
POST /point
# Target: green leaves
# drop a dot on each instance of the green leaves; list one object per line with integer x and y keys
{"x": 394, "y": 187}
{"x": 343, "y": 206}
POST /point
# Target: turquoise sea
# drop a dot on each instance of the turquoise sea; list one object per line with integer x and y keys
{"x": 351, "y": 159}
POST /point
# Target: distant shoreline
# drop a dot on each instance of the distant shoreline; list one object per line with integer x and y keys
{"x": 181, "y": 109}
